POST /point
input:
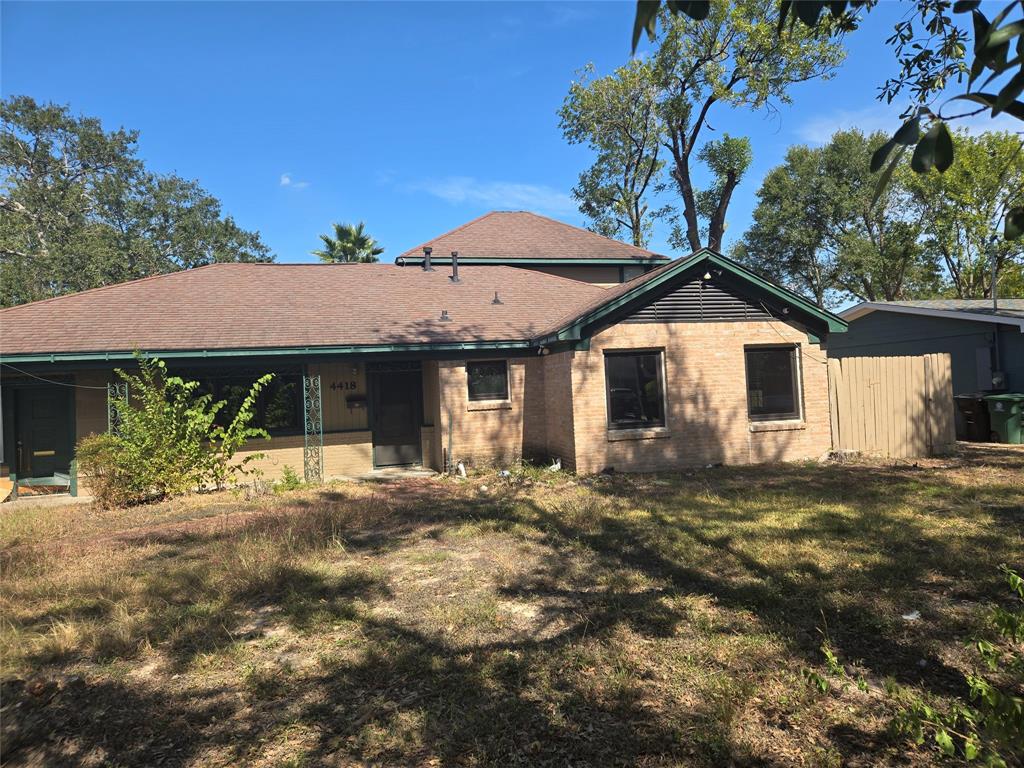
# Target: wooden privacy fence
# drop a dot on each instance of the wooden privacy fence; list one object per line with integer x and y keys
{"x": 893, "y": 406}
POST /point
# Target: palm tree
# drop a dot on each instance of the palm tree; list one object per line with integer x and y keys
{"x": 350, "y": 243}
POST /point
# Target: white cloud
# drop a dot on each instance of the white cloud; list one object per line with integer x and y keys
{"x": 288, "y": 181}
{"x": 499, "y": 195}
{"x": 886, "y": 118}
{"x": 878, "y": 117}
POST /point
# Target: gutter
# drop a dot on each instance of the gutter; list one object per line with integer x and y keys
{"x": 171, "y": 354}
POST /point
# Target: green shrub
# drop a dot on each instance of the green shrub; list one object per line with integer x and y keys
{"x": 167, "y": 441}
{"x": 111, "y": 480}
{"x": 290, "y": 479}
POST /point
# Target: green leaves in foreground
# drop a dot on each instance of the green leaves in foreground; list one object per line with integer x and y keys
{"x": 933, "y": 150}
{"x": 990, "y": 727}
{"x": 647, "y": 15}
{"x": 1014, "y": 227}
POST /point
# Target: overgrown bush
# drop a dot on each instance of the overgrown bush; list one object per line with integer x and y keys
{"x": 167, "y": 441}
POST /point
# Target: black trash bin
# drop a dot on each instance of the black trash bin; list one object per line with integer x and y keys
{"x": 975, "y": 417}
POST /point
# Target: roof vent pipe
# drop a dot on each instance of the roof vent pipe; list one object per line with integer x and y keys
{"x": 455, "y": 266}
{"x": 427, "y": 250}
{"x": 496, "y": 300}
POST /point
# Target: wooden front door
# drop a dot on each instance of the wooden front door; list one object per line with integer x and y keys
{"x": 43, "y": 431}
{"x": 396, "y": 399}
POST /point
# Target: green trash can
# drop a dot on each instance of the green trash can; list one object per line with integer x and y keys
{"x": 1005, "y": 413}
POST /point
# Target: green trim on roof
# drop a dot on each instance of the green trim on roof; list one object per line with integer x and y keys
{"x": 170, "y": 354}
{"x": 538, "y": 262}
{"x": 574, "y": 329}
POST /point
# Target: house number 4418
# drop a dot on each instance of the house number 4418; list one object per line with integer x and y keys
{"x": 348, "y": 385}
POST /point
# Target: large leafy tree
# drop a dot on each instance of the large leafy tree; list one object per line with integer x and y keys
{"x": 819, "y": 229}
{"x": 617, "y": 117}
{"x": 350, "y": 242}
{"x": 78, "y": 209}
{"x": 732, "y": 57}
{"x": 965, "y": 211}
{"x": 930, "y": 45}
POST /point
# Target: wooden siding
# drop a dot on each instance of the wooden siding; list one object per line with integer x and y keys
{"x": 901, "y": 407}
{"x": 338, "y": 417}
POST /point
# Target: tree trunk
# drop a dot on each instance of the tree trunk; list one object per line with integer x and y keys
{"x": 716, "y": 228}
{"x": 681, "y": 173}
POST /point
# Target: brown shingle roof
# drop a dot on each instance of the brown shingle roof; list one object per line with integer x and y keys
{"x": 524, "y": 235}
{"x": 229, "y": 306}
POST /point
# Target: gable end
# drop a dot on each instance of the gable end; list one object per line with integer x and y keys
{"x": 699, "y": 301}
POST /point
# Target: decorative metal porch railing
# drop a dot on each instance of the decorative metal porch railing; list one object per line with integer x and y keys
{"x": 313, "y": 429}
{"x": 116, "y": 392}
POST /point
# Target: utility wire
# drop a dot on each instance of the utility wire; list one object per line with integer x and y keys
{"x": 51, "y": 381}
{"x": 771, "y": 324}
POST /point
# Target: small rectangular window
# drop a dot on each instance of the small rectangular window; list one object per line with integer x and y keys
{"x": 773, "y": 383}
{"x": 636, "y": 396}
{"x": 488, "y": 380}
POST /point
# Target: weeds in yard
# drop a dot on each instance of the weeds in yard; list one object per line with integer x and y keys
{"x": 669, "y": 619}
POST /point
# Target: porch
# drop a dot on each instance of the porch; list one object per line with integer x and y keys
{"x": 338, "y": 418}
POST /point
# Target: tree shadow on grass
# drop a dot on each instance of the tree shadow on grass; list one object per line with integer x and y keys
{"x": 621, "y": 555}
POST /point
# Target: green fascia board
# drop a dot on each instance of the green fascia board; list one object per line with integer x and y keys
{"x": 834, "y": 323}
{"x": 539, "y": 262}
{"x": 171, "y": 354}
{"x": 573, "y": 331}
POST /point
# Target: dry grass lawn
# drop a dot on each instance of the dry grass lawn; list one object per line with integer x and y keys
{"x": 533, "y": 620}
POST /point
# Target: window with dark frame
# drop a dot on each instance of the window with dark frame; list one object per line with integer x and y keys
{"x": 487, "y": 379}
{"x": 773, "y": 382}
{"x": 278, "y": 407}
{"x": 636, "y": 392}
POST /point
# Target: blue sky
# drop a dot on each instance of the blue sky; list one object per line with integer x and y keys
{"x": 412, "y": 117}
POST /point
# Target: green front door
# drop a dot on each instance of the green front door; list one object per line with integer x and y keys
{"x": 44, "y": 431}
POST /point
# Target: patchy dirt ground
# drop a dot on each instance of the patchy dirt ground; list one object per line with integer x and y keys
{"x": 539, "y": 619}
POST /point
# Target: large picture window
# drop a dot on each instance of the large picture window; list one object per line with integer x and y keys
{"x": 488, "y": 379}
{"x": 278, "y": 407}
{"x": 636, "y": 392}
{"x": 773, "y": 383}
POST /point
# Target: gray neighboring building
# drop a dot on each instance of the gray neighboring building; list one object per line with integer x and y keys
{"x": 986, "y": 345}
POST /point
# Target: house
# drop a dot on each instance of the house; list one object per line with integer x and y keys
{"x": 696, "y": 361}
{"x": 527, "y": 240}
{"x": 986, "y": 344}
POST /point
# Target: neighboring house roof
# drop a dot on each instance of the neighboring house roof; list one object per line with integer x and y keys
{"x": 1010, "y": 311}
{"x": 521, "y": 237}
{"x": 288, "y": 309}
{"x": 269, "y": 306}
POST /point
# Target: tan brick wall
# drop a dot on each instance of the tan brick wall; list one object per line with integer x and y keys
{"x": 560, "y": 407}
{"x": 345, "y": 454}
{"x": 535, "y": 407}
{"x": 488, "y": 432}
{"x": 706, "y": 401}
